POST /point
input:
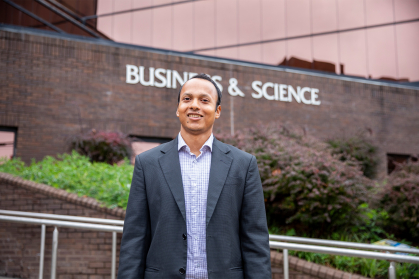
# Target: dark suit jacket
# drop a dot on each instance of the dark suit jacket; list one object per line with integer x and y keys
{"x": 154, "y": 241}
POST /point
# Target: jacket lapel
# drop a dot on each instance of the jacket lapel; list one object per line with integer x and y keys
{"x": 220, "y": 166}
{"x": 169, "y": 163}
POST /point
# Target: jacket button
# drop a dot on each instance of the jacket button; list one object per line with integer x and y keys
{"x": 182, "y": 270}
{"x": 184, "y": 236}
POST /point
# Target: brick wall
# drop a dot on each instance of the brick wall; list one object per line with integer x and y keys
{"x": 54, "y": 87}
{"x": 81, "y": 253}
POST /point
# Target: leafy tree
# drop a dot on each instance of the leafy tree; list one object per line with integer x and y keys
{"x": 305, "y": 186}
{"x": 359, "y": 148}
{"x": 400, "y": 198}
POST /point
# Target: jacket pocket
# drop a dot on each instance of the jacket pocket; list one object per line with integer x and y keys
{"x": 234, "y": 180}
{"x": 236, "y": 268}
{"x": 151, "y": 269}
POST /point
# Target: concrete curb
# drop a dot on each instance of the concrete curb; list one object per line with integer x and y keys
{"x": 317, "y": 270}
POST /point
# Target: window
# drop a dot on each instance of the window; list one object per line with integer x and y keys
{"x": 394, "y": 159}
{"x": 140, "y": 144}
{"x": 8, "y": 142}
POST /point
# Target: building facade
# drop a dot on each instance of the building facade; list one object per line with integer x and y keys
{"x": 55, "y": 86}
{"x": 367, "y": 38}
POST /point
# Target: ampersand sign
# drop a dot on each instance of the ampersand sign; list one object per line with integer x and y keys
{"x": 233, "y": 90}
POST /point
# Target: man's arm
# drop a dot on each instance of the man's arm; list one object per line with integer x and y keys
{"x": 136, "y": 236}
{"x": 254, "y": 234}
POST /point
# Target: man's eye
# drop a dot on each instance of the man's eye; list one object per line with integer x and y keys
{"x": 204, "y": 100}
{"x": 186, "y": 99}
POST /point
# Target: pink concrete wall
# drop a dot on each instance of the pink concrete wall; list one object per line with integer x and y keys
{"x": 389, "y": 51}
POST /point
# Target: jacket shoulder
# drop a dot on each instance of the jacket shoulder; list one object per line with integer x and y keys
{"x": 234, "y": 151}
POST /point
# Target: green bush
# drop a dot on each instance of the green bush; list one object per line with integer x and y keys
{"x": 371, "y": 268}
{"x": 359, "y": 148}
{"x": 400, "y": 198}
{"x": 102, "y": 146}
{"x": 368, "y": 232}
{"x": 76, "y": 174}
{"x": 305, "y": 186}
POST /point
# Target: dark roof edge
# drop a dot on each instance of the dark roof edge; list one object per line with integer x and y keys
{"x": 40, "y": 32}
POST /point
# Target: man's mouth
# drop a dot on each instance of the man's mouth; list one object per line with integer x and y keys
{"x": 194, "y": 115}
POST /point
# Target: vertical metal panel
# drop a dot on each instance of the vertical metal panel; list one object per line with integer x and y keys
{"x": 392, "y": 271}
{"x": 286, "y": 270}
{"x": 113, "y": 255}
{"x": 54, "y": 253}
{"x": 42, "y": 252}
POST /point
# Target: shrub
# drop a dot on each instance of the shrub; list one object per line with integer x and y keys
{"x": 76, "y": 174}
{"x": 400, "y": 198}
{"x": 358, "y": 148}
{"x": 304, "y": 185}
{"x": 102, "y": 146}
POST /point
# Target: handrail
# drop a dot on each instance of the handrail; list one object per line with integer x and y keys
{"x": 65, "y": 224}
{"x": 294, "y": 239}
{"x": 116, "y": 226}
{"x": 346, "y": 244}
{"x": 63, "y": 217}
{"x": 344, "y": 252}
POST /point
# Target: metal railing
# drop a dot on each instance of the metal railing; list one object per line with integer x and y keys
{"x": 294, "y": 243}
{"x": 75, "y": 222}
{"x": 351, "y": 249}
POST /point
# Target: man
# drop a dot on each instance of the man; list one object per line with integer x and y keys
{"x": 195, "y": 208}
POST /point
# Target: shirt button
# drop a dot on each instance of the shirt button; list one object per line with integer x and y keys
{"x": 182, "y": 270}
{"x": 184, "y": 236}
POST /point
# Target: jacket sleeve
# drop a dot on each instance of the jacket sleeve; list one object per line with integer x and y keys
{"x": 136, "y": 234}
{"x": 254, "y": 234}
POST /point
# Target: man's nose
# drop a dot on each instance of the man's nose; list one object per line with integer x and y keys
{"x": 195, "y": 104}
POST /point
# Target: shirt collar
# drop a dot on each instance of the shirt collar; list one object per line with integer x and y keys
{"x": 182, "y": 143}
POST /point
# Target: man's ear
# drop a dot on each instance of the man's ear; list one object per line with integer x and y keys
{"x": 177, "y": 112}
{"x": 218, "y": 112}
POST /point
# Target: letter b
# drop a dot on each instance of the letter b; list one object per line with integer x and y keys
{"x": 132, "y": 74}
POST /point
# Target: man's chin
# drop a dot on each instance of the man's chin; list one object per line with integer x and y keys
{"x": 195, "y": 130}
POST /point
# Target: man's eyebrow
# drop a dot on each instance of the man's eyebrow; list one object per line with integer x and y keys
{"x": 204, "y": 95}
{"x": 200, "y": 95}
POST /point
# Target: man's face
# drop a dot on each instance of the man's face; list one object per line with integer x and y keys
{"x": 196, "y": 109}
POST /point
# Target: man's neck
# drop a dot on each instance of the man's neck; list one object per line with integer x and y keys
{"x": 195, "y": 142}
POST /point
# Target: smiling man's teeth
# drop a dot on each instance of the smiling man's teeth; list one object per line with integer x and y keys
{"x": 194, "y": 115}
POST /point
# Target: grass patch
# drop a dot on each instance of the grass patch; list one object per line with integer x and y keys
{"x": 109, "y": 184}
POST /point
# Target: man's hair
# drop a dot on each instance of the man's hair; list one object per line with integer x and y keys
{"x": 206, "y": 77}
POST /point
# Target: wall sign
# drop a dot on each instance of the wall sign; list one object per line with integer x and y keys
{"x": 271, "y": 91}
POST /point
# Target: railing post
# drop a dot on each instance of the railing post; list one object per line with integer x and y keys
{"x": 392, "y": 271}
{"x": 42, "y": 253}
{"x": 113, "y": 255}
{"x": 54, "y": 253}
{"x": 285, "y": 255}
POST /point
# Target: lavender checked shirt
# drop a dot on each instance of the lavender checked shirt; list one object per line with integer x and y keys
{"x": 195, "y": 176}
